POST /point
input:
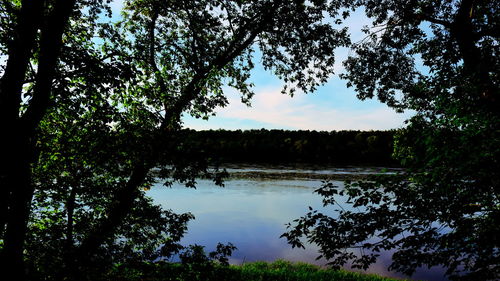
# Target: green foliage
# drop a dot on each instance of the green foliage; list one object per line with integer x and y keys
{"x": 256, "y": 271}
{"x": 92, "y": 106}
{"x": 444, "y": 209}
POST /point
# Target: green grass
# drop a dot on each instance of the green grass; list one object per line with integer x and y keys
{"x": 256, "y": 271}
{"x": 287, "y": 271}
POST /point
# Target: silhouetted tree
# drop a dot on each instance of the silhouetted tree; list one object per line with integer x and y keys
{"x": 444, "y": 210}
{"x": 88, "y": 108}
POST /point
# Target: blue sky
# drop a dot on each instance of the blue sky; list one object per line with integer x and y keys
{"x": 332, "y": 106}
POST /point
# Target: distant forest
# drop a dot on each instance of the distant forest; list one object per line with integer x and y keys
{"x": 293, "y": 147}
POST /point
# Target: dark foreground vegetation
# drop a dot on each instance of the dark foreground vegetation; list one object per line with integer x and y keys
{"x": 294, "y": 147}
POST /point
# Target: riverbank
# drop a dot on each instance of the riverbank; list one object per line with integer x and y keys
{"x": 256, "y": 271}
{"x": 301, "y": 171}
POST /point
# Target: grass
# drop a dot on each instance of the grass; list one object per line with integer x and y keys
{"x": 256, "y": 271}
{"x": 283, "y": 270}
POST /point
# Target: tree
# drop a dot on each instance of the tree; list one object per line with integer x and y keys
{"x": 88, "y": 109}
{"x": 444, "y": 209}
{"x": 17, "y": 147}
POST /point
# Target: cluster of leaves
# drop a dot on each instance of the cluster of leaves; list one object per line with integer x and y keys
{"x": 444, "y": 209}
{"x": 395, "y": 213}
{"x": 195, "y": 264}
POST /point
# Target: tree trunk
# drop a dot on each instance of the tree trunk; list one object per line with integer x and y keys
{"x": 19, "y": 52}
{"x": 17, "y": 143}
{"x": 118, "y": 210}
{"x": 70, "y": 268}
{"x": 18, "y": 212}
{"x": 15, "y": 173}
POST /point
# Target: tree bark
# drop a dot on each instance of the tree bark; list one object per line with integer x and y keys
{"x": 70, "y": 271}
{"x": 15, "y": 174}
{"x": 19, "y": 206}
{"x": 18, "y": 147}
{"x": 19, "y": 53}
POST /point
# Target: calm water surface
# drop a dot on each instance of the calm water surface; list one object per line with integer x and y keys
{"x": 252, "y": 213}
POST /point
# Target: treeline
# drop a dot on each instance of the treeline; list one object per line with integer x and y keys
{"x": 290, "y": 147}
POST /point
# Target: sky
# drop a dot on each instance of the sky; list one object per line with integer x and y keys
{"x": 332, "y": 106}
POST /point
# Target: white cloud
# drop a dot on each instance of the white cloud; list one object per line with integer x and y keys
{"x": 271, "y": 109}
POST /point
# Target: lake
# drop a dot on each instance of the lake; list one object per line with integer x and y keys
{"x": 252, "y": 209}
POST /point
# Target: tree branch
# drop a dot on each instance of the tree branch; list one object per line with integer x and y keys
{"x": 434, "y": 20}
{"x": 19, "y": 52}
{"x": 50, "y": 47}
{"x": 124, "y": 199}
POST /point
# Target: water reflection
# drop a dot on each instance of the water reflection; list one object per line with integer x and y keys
{"x": 252, "y": 214}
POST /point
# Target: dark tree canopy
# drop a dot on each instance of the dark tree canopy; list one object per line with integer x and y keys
{"x": 339, "y": 148}
{"x": 444, "y": 210}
